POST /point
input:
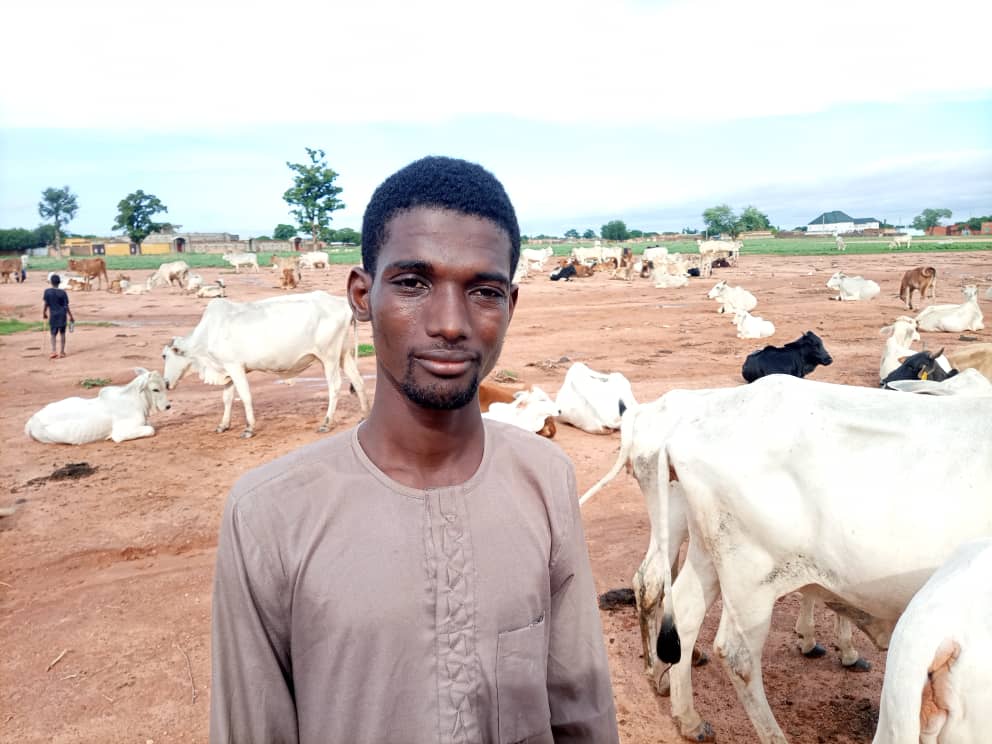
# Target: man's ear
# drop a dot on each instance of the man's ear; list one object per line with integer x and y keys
{"x": 359, "y": 292}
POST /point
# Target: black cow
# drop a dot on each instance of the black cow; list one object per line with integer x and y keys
{"x": 797, "y": 358}
{"x": 565, "y": 272}
{"x": 922, "y": 365}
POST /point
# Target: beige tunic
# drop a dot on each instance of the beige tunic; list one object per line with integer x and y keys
{"x": 350, "y": 609}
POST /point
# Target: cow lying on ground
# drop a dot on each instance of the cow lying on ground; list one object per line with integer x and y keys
{"x": 752, "y": 326}
{"x": 283, "y": 335}
{"x": 237, "y": 260}
{"x": 563, "y": 273}
{"x": 532, "y": 409}
{"x": 90, "y": 268}
{"x": 593, "y": 401}
{"x": 851, "y": 288}
{"x": 921, "y": 279}
{"x": 973, "y": 356}
{"x": 119, "y": 412}
{"x": 732, "y": 299}
{"x": 217, "y": 289}
{"x": 964, "y": 382}
{"x": 901, "y": 334}
{"x": 941, "y": 647}
{"x": 922, "y": 365}
{"x": 119, "y": 283}
{"x": 771, "y": 519}
{"x": 80, "y": 283}
{"x": 170, "y": 274}
{"x": 953, "y": 318}
{"x": 797, "y": 358}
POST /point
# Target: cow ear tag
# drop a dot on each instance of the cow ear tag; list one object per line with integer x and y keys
{"x": 923, "y": 375}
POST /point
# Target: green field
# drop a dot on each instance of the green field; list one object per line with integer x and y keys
{"x": 350, "y": 256}
{"x": 12, "y": 325}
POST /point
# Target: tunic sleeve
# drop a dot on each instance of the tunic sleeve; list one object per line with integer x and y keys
{"x": 251, "y": 692}
{"x": 579, "y": 689}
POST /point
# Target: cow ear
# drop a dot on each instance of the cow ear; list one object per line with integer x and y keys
{"x": 901, "y": 359}
{"x": 139, "y": 371}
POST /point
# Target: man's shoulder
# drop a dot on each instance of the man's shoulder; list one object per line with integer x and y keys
{"x": 293, "y": 474}
{"x": 521, "y": 445}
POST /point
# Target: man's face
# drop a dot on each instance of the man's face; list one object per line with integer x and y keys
{"x": 440, "y": 304}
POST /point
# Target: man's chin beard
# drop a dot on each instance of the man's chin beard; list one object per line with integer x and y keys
{"x": 436, "y": 398}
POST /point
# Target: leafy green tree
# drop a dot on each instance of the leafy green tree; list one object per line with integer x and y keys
{"x": 573, "y": 233}
{"x": 635, "y": 233}
{"x": 347, "y": 235}
{"x": 930, "y": 218}
{"x": 284, "y": 232}
{"x": 614, "y": 230}
{"x": 589, "y": 234}
{"x": 752, "y": 219}
{"x": 45, "y": 235}
{"x": 721, "y": 219}
{"x": 59, "y": 206}
{"x": 690, "y": 231}
{"x": 975, "y": 223}
{"x": 134, "y": 215}
{"x": 17, "y": 239}
{"x": 313, "y": 194}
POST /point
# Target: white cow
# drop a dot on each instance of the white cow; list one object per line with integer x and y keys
{"x": 237, "y": 260}
{"x": 529, "y": 410}
{"x": 818, "y": 487}
{"x": 169, "y": 273}
{"x": 655, "y": 253}
{"x": 664, "y": 280}
{"x": 119, "y": 412}
{"x": 283, "y": 335}
{"x": 953, "y": 318}
{"x": 732, "y": 299}
{"x": 853, "y": 287}
{"x": 901, "y": 334}
{"x": 193, "y": 283}
{"x": 643, "y": 432}
{"x": 840, "y": 243}
{"x": 314, "y": 260}
{"x": 752, "y": 326}
{"x": 901, "y": 241}
{"x": 588, "y": 255}
{"x": 937, "y": 675}
{"x": 593, "y": 401}
{"x": 536, "y": 255}
{"x": 209, "y": 291}
{"x": 710, "y": 250}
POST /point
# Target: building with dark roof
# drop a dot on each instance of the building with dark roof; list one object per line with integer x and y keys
{"x": 837, "y": 222}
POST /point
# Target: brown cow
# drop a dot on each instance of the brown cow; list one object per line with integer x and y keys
{"x": 288, "y": 278}
{"x": 91, "y": 268}
{"x": 10, "y": 266}
{"x": 921, "y": 279}
{"x": 490, "y": 392}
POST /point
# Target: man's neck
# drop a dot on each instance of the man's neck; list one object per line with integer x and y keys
{"x": 424, "y": 448}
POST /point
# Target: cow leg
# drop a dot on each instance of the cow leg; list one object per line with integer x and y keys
{"x": 239, "y": 379}
{"x": 849, "y": 655}
{"x": 333, "y": 375}
{"x": 225, "y": 421}
{"x": 693, "y": 592}
{"x": 744, "y": 626}
{"x": 350, "y": 366}
{"x": 807, "y": 631}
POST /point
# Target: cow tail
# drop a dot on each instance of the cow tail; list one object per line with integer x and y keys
{"x": 626, "y": 443}
{"x": 668, "y": 647}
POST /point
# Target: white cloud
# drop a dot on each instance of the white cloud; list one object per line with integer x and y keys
{"x": 187, "y": 65}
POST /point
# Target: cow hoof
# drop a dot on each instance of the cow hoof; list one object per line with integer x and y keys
{"x": 323, "y": 428}
{"x": 702, "y": 732}
{"x": 221, "y": 429}
{"x": 247, "y": 434}
{"x": 859, "y": 665}
{"x": 660, "y": 680}
{"x": 816, "y": 652}
{"x": 700, "y": 658}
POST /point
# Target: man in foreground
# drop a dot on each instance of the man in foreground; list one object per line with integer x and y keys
{"x": 423, "y": 577}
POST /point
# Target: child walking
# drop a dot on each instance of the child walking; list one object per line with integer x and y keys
{"x": 56, "y": 312}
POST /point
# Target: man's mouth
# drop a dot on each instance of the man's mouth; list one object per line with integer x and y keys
{"x": 445, "y": 363}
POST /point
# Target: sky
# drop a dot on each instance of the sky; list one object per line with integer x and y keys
{"x": 643, "y": 111}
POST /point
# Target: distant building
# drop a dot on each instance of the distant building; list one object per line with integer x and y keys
{"x": 837, "y": 222}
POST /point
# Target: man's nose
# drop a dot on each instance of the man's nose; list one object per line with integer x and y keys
{"x": 448, "y": 314}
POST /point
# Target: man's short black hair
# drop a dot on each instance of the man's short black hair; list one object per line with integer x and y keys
{"x": 55, "y": 280}
{"x": 441, "y": 183}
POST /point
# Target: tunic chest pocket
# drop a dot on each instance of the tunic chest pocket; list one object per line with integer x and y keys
{"x": 521, "y": 683}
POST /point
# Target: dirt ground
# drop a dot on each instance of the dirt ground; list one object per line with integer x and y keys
{"x": 105, "y": 579}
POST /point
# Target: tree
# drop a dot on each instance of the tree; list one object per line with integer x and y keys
{"x": 930, "y": 218}
{"x": 573, "y": 233}
{"x": 721, "y": 219}
{"x": 17, "y": 239}
{"x": 752, "y": 219}
{"x": 690, "y": 231}
{"x": 284, "y": 232}
{"x": 313, "y": 194}
{"x": 975, "y": 223}
{"x": 614, "y": 230}
{"x": 134, "y": 215}
{"x": 59, "y": 206}
{"x": 635, "y": 233}
{"x": 589, "y": 234}
{"x": 347, "y": 235}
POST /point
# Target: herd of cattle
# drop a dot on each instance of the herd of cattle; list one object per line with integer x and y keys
{"x": 769, "y": 516}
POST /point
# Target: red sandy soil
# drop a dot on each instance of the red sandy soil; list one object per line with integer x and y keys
{"x": 115, "y": 569}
